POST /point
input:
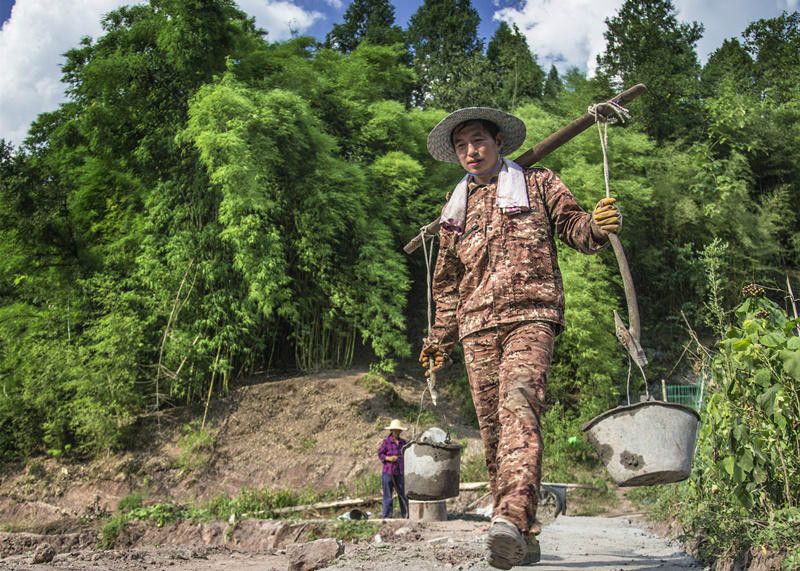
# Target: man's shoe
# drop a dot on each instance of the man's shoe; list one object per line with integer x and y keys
{"x": 507, "y": 546}
{"x": 534, "y": 553}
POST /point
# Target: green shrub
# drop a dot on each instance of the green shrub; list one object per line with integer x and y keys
{"x": 196, "y": 445}
{"x": 111, "y": 530}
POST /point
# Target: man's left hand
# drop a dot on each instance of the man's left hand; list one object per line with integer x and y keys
{"x": 606, "y": 217}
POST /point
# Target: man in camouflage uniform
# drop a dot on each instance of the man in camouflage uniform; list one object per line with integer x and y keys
{"x": 498, "y": 290}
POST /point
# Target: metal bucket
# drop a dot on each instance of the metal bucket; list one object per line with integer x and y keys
{"x": 646, "y": 443}
{"x": 432, "y": 469}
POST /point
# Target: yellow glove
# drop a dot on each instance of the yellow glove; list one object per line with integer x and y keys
{"x": 439, "y": 357}
{"x": 606, "y": 216}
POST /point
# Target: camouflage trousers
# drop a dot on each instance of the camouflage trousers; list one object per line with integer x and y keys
{"x": 507, "y": 368}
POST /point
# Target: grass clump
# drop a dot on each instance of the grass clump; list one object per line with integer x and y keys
{"x": 196, "y": 446}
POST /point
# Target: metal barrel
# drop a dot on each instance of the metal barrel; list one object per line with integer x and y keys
{"x": 432, "y": 471}
{"x": 646, "y": 443}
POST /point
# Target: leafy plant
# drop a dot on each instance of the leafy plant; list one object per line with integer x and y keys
{"x": 196, "y": 445}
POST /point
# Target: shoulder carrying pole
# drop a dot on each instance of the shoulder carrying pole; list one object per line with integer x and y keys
{"x": 541, "y": 150}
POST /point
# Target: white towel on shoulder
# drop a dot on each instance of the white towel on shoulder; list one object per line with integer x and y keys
{"x": 512, "y": 196}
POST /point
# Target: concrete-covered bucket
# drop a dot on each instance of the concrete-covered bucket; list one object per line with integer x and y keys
{"x": 646, "y": 443}
{"x": 432, "y": 466}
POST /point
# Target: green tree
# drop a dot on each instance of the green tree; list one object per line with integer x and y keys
{"x": 553, "y": 86}
{"x": 774, "y": 44}
{"x": 448, "y": 55}
{"x": 731, "y": 61}
{"x": 516, "y": 75}
{"x": 365, "y": 21}
{"x": 645, "y": 43}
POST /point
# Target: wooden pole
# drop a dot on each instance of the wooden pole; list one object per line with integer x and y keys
{"x": 541, "y": 150}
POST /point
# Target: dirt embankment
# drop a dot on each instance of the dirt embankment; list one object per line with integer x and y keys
{"x": 314, "y": 432}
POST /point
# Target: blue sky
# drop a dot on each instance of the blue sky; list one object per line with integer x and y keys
{"x": 568, "y": 33}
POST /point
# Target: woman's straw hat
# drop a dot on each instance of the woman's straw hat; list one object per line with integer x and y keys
{"x": 395, "y": 425}
{"x": 440, "y": 144}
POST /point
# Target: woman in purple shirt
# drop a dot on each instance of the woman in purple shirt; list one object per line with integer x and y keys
{"x": 391, "y": 454}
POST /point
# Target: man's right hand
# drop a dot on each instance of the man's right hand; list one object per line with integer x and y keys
{"x": 432, "y": 354}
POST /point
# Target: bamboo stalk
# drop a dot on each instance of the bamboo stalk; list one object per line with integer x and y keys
{"x": 792, "y": 301}
{"x": 176, "y": 306}
{"x": 211, "y": 387}
{"x": 541, "y": 150}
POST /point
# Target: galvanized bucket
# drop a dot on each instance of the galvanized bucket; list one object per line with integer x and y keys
{"x": 646, "y": 443}
{"x": 432, "y": 468}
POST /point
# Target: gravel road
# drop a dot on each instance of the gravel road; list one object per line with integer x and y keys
{"x": 569, "y": 543}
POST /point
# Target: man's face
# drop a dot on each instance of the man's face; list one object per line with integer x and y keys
{"x": 477, "y": 151}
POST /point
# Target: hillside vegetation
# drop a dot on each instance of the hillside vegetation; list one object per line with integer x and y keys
{"x": 209, "y": 204}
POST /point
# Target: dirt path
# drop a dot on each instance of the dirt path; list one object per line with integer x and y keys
{"x": 568, "y": 543}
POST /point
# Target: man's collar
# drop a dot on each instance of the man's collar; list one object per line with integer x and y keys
{"x": 473, "y": 185}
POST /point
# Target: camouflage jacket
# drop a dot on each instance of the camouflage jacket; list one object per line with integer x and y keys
{"x": 503, "y": 268}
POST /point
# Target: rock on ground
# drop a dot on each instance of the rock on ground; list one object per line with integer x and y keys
{"x": 314, "y": 555}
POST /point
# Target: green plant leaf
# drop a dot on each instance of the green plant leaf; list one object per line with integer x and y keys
{"x": 741, "y": 344}
{"x": 727, "y": 464}
{"x": 766, "y": 400}
{"x": 746, "y": 462}
{"x": 793, "y": 344}
{"x": 791, "y": 363}
{"x": 763, "y": 377}
{"x": 772, "y": 339}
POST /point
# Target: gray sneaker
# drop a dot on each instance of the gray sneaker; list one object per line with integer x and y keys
{"x": 533, "y": 555}
{"x": 507, "y": 546}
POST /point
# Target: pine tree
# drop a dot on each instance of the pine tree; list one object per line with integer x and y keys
{"x": 448, "y": 55}
{"x": 516, "y": 75}
{"x": 553, "y": 86}
{"x": 365, "y": 20}
{"x": 645, "y": 43}
{"x": 729, "y": 61}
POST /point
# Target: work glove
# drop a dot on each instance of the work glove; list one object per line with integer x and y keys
{"x": 606, "y": 217}
{"x": 432, "y": 354}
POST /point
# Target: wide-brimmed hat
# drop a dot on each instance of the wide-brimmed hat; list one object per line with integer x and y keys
{"x": 395, "y": 425}
{"x": 440, "y": 144}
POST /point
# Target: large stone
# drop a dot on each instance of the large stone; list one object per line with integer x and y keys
{"x": 314, "y": 555}
{"x": 43, "y": 553}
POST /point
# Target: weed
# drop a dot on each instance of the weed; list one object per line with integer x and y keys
{"x": 307, "y": 443}
{"x": 368, "y": 484}
{"x": 377, "y": 384}
{"x": 130, "y": 502}
{"x": 473, "y": 469}
{"x": 111, "y": 530}
{"x": 349, "y": 530}
{"x": 161, "y": 514}
{"x": 37, "y": 470}
{"x": 196, "y": 445}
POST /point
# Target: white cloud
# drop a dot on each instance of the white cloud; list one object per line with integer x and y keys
{"x": 334, "y": 3}
{"x": 34, "y": 39}
{"x": 279, "y": 18}
{"x": 32, "y": 42}
{"x": 723, "y": 19}
{"x": 569, "y": 33}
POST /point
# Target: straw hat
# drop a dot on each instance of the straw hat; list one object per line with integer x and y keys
{"x": 440, "y": 144}
{"x": 395, "y": 425}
